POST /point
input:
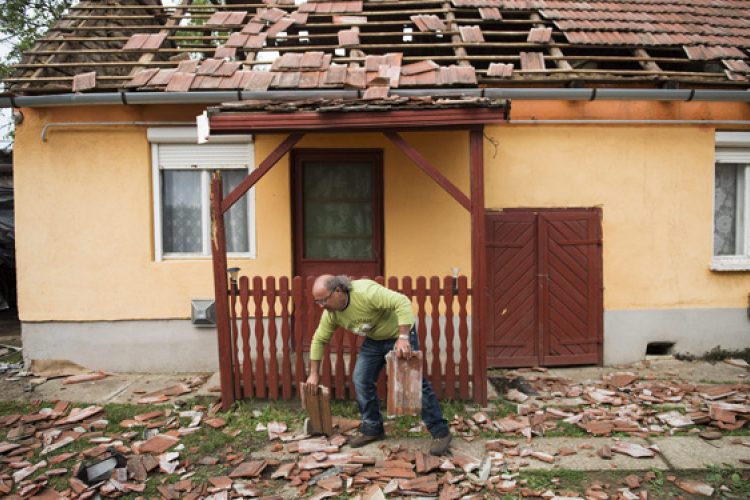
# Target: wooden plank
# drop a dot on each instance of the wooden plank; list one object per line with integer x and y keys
{"x": 463, "y": 334}
{"x": 298, "y": 303}
{"x": 260, "y": 363}
{"x": 450, "y": 364}
{"x": 219, "y": 258}
{"x": 262, "y": 169}
{"x": 478, "y": 267}
{"x": 404, "y": 384}
{"x": 318, "y": 408}
{"x": 235, "y": 337}
{"x": 286, "y": 362}
{"x": 340, "y": 376}
{"x": 436, "y": 375}
{"x": 421, "y": 326}
{"x": 247, "y": 361}
{"x": 273, "y": 362}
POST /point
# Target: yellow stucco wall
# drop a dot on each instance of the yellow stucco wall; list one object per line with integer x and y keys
{"x": 84, "y": 216}
{"x": 655, "y": 188}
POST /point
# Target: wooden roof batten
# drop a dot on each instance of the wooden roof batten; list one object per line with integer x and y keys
{"x": 605, "y": 43}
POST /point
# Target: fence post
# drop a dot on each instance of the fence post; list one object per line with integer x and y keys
{"x": 219, "y": 258}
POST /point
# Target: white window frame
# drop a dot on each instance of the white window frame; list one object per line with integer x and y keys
{"x": 734, "y": 147}
{"x": 189, "y": 135}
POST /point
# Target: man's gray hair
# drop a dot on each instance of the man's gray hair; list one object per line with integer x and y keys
{"x": 343, "y": 282}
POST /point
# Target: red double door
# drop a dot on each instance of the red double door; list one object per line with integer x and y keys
{"x": 545, "y": 287}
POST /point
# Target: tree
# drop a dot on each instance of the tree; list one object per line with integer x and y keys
{"x": 22, "y": 22}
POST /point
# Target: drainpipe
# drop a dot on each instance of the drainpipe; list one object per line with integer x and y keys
{"x": 137, "y": 98}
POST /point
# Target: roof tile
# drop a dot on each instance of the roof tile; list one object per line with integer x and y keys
{"x": 180, "y": 82}
{"x": 84, "y": 81}
{"x": 162, "y": 77}
{"x": 532, "y": 60}
{"x": 418, "y": 67}
{"x": 289, "y": 80}
{"x": 142, "y": 78}
{"x": 272, "y": 15}
{"x": 348, "y": 38}
{"x": 471, "y": 34}
{"x": 259, "y": 81}
{"x": 187, "y": 66}
{"x": 309, "y": 79}
{"x": 374, "y": 93}
{"x": 335, "y": 75}
{"x": 279, "y": 26}
{"x": 256, "y": 41}
{"x": 253, "y": 27}
{"x": 355, "y": 78}
{"x": 227, "y": 69}
{"x": 540, "y": 35}
{"x": 500, "y": 70}
{"x": 490, "y": 14}
{"x": 237, "y": 40}
{"x": 208, "y": 67}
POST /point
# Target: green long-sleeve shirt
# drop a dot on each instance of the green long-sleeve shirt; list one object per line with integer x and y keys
{"x": 373, "y": 311}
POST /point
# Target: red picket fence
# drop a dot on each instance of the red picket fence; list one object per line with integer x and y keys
{"x": 272, "y": 325}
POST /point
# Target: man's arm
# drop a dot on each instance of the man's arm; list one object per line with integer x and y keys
{"x": 313, "y": 379}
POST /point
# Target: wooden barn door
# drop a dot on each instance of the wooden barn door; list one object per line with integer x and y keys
{"x": 545, "y": 278}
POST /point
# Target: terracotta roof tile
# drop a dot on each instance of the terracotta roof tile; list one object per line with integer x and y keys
{"x": 233, "y": 81}
{"x": 187, "y": 66}
{"x": 259, "y": 81}
{"x": 223, "y": 51}
{"x": 311, "y": 60}
{"x": 237, "y": 40}
{"x": 256, "y": 41}
{"x": 737, "y": 66}
{"x": 419, "y": 67}
{"x": 335, "y": 75}
{"x": 532, "y": 60}
{"x": 236, "y": 18}
{"x": 372, "y": 63}
{"x": 136, "y": 41}
{"x": 471, "y": 34}
{"x": 500, "y": 70}
{"x": 162, "y": 77}
{"x": 426, "y": 79}
{"x": 180, "y": 82}
{"x": 154, "y": 41}
{"x": 490, "y": 14}
{"x": 253, "y": 27}
{"x": 348, "y": 38}
{"x": 227, "y": 68}
{"x": 309, "y": 79}
{"x": 279, "y": 26}
{"x": 210, "y": 82}
{"x": 289, "y": 80}
{"x": 142, "y": 78}
{"x": 429, "y": 23}
{"x": 84, "y": 81}
{"x": 376, "y": 93}
{"x": 298, "y": 17}
{"x": 349, "y": 19}
{"x": 208, "y": 67}
{"x": 218, "y": 18}
{"x": 355, "y": 78}
{"x": 540, "y": 35}
{"x": 271, "y": 15}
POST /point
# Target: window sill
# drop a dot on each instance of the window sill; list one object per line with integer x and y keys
{"x": 231, "y": 256}
{"x": 731, "y": 264}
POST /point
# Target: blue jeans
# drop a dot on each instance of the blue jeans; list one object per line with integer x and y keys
{"x": 370, "y": 362}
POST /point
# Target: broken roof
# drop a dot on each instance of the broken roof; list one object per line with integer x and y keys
{"x": 105, "y": 46}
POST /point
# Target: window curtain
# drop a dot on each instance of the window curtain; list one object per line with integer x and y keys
{"x": 181, "y": 211}
{"x": 337, "y": 199}
{"x": 235, "y": 219}
{"x": 725, "y": 209}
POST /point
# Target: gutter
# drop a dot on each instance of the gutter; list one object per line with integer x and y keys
{"x": 218, "y": 97}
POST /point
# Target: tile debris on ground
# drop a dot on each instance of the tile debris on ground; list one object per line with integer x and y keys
{"x": 620, "y": 412}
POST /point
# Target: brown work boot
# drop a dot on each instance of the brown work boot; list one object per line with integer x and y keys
{"x": 439, "y": 446}
{"x": 363, "y": 439}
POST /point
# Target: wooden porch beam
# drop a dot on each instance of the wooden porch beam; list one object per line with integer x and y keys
{"x": 429, "y": 169}
{"x": 259, "y": 172}
{"x": 478, "y": 267}
{"x": 219, "y": 257}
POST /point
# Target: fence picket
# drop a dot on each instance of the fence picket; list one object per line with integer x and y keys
{"x": 298, "y": 294}
{"x": 339, "y": 336}
{"x": 234, "y": 335}
{"x": 273, "y": 362}
{"x": 436, "y": 376}
{"x": 260, "y": 361}
{"x": 286, "y": 362}
{"x": 421, "y": 326}
{"x": 463, "y": 334}
{"x": 450, "y": 364}
{"x": 247, "y": 362}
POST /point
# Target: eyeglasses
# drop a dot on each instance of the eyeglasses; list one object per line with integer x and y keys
{"x": 322, "y": 302}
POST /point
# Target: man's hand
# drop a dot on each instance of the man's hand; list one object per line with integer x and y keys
{"x": 402, "y": 348}
{"x": 311, "y": 387}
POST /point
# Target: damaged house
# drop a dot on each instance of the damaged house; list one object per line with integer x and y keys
{"x": 552, "y": 181}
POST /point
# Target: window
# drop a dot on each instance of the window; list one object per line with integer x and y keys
{"x": 731, "y": 239}
{"x": 181, "y": 185}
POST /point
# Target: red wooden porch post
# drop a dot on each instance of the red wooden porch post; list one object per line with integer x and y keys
{"x": 478, "y": 267}
{"x": 219, "y": 257}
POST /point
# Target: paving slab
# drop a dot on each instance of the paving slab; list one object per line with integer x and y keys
{"x": 688, "y": 452}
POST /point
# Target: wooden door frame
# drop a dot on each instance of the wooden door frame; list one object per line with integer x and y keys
{"x": 324, "y": 154}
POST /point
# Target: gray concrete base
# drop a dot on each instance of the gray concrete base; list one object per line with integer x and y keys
{"x": 694, "y": 331}
{"x": 162, "y": 346}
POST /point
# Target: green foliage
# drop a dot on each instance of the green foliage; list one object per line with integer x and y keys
{"x": 22, "y": 22}
{"x": 717, "y": 354}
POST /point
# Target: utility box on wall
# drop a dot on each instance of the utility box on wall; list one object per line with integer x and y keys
{"x": 203, "y": 312}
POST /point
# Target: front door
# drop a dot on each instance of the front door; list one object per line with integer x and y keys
{"x": 545, "y": 279}
{"x": 338, "y": 212}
